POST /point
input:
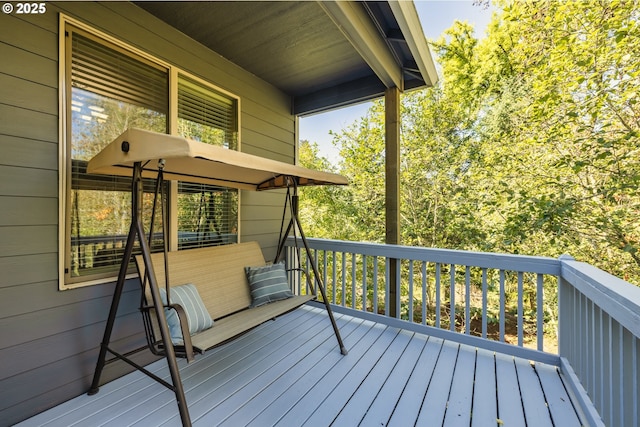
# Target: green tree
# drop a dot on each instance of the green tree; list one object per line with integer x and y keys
{"x": 529, "y": 143}
{"x": 581, "y": 61}
{"x": 320, "y": 206}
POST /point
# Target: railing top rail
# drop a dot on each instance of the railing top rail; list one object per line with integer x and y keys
{"x": 619, "y": 298}
{"x": 524, "y": 263}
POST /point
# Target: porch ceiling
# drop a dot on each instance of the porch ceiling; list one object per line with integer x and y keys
{"x": 323, "y": 54}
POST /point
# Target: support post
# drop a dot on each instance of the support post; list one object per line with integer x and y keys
{"x": 392, "y": 189}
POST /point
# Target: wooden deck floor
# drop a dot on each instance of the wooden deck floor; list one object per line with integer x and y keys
{"x": 289, "y": 372}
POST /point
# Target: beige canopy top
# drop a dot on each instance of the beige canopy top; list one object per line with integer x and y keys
{"x": 192, "y": 161}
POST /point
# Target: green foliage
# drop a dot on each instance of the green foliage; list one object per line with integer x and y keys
{"x": 580, "y": 61}
{"x": 529, "y": 143}
{"x": 320, "y": 206}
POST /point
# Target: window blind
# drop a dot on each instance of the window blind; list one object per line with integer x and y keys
{"x": 111, "y": 90}
{"x": 207, "y": 215}
{"x": 206, "y": 115}
{"x": 108, "y": 72}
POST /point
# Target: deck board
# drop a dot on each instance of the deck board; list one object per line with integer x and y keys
{"x": 290, "y": 372}
{"x": 535, "y": 410}
{"x": 361, "y": 399}
{"x": 384, "y": 403}
{"x": 410, "y": 402}
{"x": 318, "y": 392}
{"x": 257, "y": 393}
{"x": 510, "y": 411}
{"x": 560, "y": 406}
{"x": 244, "y": 387}
{"x": 261, "y": 400}
{"x": 461, "y": 394}
{"x": 485, "y": 404}
{"x": 435, "y": 402}
{"x": 287, "y": 399}
{"x": 219, "y": 393}
{"x": 335, "y": 400}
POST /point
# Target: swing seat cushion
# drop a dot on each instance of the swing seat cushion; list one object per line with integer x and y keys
{"x": 267, "y": 284}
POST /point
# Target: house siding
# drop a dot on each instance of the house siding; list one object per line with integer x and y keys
{"x": 49, "y": 339}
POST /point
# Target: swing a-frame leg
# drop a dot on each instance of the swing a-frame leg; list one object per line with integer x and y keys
{"x": 137, "y": 230}
{"x": 294, "y": 225}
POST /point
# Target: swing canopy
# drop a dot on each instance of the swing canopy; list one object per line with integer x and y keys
{"x": 192, "y": 161}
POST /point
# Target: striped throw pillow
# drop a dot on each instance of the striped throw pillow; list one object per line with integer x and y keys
{"x": 268, "y": 284}
{"x": 198, "y": 317}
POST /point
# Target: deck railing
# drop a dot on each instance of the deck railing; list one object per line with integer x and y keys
{"x": 600, "y": 338}
{"x": 510, "y": 298}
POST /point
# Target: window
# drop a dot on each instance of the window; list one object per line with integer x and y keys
{"x": 109, "y": 88}
{"x": 207, "y": 215}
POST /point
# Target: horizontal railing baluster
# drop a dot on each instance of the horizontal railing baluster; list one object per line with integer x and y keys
{"x": 375, "y": 284}
{"x": 342, "y": 263}
{"x": 398, "y": 294}
{"x": 353, "y": 281}
{"x": 324, "y": 269}
{"x": 364, "y": 283}
{"x": 452, "y": 297}
{"x": 387, "y": 281}
{"x": 333, "y": 276}
{"x": 485, "y": 308}
{"x": 467, "y": 300}
{"x": 520, "y": 308}
{"x": 344, "y": 279}
{"x": 502, "y": 306}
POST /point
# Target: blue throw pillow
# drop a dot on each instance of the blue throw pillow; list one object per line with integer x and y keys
{"x": 267, "y": 284}
{"x": 198, "y": 317}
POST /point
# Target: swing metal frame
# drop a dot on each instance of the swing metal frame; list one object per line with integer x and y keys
{"x": 123, "y": 157}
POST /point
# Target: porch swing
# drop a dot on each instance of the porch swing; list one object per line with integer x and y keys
{"x": 145, "y": 154}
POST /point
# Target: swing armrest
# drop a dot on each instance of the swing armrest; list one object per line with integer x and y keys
{"x": 184, "y": 328}
{"x": 186, "y": 349}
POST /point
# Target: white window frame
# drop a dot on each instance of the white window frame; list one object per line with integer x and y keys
{"x": 63, "y": 136}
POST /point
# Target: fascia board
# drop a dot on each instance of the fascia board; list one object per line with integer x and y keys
{"x": 354, "y": 22}
{"x": 409, "y": 23}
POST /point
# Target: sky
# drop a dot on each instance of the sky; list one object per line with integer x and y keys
{"x": 435, "y": 16}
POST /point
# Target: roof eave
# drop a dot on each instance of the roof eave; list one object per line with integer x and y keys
{"x": 356, "y": 25}
{"x": 407, "y": 17}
